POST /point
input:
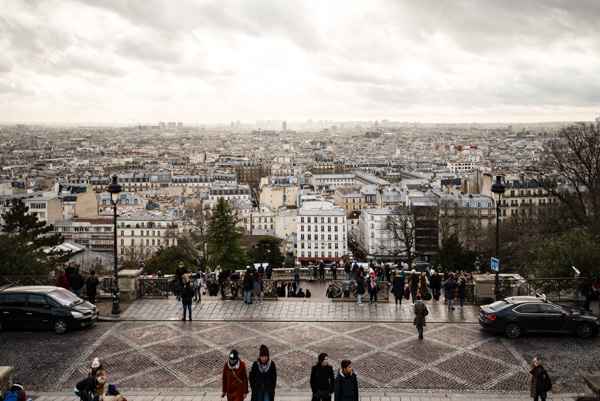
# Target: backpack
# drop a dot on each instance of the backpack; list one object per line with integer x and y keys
{"x": 11, "y": 396}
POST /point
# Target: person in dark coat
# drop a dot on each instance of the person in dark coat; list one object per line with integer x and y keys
{"x": 213, "y": 288}
{"x": 420, "y": 320}
{"x": 263, "y": 377}
{"x": 247, "y": 286}
{"x": 436, "y": 284}
{"x": 300, "y": 293}
{"x": 291, "y": 290}
{"x": 450, "y": 292}
{"x": 235, "y": 378}
{"x": 536, "y": 389}
{"x": 345, "y": 386}
{"x": 179, "y": 272}
{"x": 360, "y": 287}
{"x": 70, "y": 269}
{"x": 85, "y": 388}
{"x": 321, "y": 270}
{"x": 398, "y": 287}
{"x": 308, "y": 294}
{"x": 186, "y": 299}
{"x": 586, "y": 291}
{"x": 16, "y": 393}
{"x": 76, "y": 282}
{"x": 91, "y": 284}
{"x": 321, "y": 379}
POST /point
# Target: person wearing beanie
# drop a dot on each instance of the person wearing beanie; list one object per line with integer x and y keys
{"x": 186, "y": 300}
{"x": 420, "y": 313}
{"x": 86, "y": 388}
{"x": 97, "y": 370}
{"x": 235, "y": 378}
{"x": 16, "y": 393}
{"x": 113, "y": 394}
{"x": 263, "y": 376}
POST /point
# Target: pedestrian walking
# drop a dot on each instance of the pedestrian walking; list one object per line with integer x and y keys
{"x": 372, "y": 287}
{"x": 91, "y": 284}
{"x": 186, "y": 300}
{"x": 235, "y": 378}
{"x": 321, "y": 379}
{"x": 334, "y": 267}
{"x": 450, "y": 292}
{"x": 247, "y": 285}
{"x": 360, "y": 288}
{"x": 198, "y": 284}
{"x": 86, "y": 388}
{"x": 347, "y": 268}
{"x": 263, "y": 377}
{"x": 321, "y": 270}
{"x": 420, "y": 312}
{"x": 539, "y": 379}
{"x": 345, "y": 386}
{"x": 398, "y": 287}
{"x": 97, "y": 370}
{"x": 257, "y": 287}
{"x": 436, "y": 284}
{"x": 16, "y": 393}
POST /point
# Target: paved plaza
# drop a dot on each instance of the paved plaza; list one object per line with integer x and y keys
{"x": 153, "y": 356}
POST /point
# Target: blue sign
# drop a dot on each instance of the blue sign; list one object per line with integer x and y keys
{"x": 495, "y": 264}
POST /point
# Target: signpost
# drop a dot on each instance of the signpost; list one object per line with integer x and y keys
{"x": 495, "y": 264}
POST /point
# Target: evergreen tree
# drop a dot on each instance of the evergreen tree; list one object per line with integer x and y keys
{"x": 450, "y": 254}
{"x": 23, "y": 241}
{"x": 167, "y": 261}
{"x": 223, "y": 238}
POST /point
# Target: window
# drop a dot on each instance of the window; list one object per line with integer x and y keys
{"x": 37, "y": 301}
{"x": 329, "y": 228}
{"x": 547, "y": 308}
{"x": 302, "y": 254}
{"x": 132, "y": 233}
{"x": 132, "y": 241}
{"x": 335, "y": 228}
{"x": 308, "y": 219}
{"x": 122, "y": 241}
{"x": 329, "y": 237}
{"x": 301, "y": 237}
{"x": 335, "y": 237}
{"x": 302, "y": 245}
{"x": 122, "y": 233}
{"x": 335, "y": 220}
{"x": 329, "y": 219}
{"x": 309, "y": 237}
{"x": 336, "y": 245}
{"x": 528, "y": 308}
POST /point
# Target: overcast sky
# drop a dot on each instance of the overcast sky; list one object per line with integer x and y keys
{"x": 144, "y": 61}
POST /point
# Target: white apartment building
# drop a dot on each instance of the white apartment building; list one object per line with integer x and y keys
{"x": 142, "y": 233}
{"x": 321, "y": 232}
{"x": 46, "y": 207}
{"x": 232, "y": 192}
{"x": 374, "y": 239}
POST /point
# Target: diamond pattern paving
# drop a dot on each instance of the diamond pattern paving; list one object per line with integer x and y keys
{"x": 171, "y": 354}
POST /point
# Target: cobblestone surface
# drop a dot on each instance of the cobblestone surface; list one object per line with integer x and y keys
{"x": 171, "y": 355}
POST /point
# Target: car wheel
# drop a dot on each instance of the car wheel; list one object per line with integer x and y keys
{"x": 584, "y": 330}
{"x": 61, "y": 326}
{"x": 512, "y": 330}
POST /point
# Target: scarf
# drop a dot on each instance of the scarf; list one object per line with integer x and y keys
{"x": 373, "y": 282}
{"x": 233, "y": 367}
{"x": 264, "y": 368}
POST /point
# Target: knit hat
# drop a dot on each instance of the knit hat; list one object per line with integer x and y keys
{"x": 233, "y": 355}
{"x": 198, "y": 268}
{"x": 101, "y": 379}
{"x": 95, "y": 363}
{"x": 264, "y": 351}
{"x": 370, "y": 271}
{"x": 112, "y": 389}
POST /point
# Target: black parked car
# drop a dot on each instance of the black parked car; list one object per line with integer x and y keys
{"x": 517, "y": 315}
{"x": 44, "y": 307}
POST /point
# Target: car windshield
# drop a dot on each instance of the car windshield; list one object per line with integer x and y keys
{"x": 496, "y": 306}
{"x": 64, "y": 297}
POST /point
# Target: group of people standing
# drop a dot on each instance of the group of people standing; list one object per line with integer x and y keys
{"x": 72, "y": 280}
{"x": 262, "y": 380}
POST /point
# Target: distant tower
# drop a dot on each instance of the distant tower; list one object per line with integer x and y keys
{"x": 598, "y": 121}
{"x": 285, "y": 126}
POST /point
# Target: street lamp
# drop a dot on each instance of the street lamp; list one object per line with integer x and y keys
{"x": 115, "y": 189}
{"x": 477, "y": 264}
{"x": 498, "y": 189}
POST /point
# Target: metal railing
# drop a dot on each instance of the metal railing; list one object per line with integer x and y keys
{"x": 346, "y": 290}
{"x": 104, "y": 286}
{"x": 558, "y": 289}
{"x": 154, "y": 287}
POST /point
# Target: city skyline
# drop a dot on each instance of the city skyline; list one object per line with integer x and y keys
{"x": 135, "y": 63}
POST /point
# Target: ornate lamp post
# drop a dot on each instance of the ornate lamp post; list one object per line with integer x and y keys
{"x": 477, "y": 264}
{"x": 114, "y": 189}
{"x": 498, "y": 189}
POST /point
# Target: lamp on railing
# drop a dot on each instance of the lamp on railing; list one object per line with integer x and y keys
{"x": 114, "y": 189}
{"x": 498, "y": 189}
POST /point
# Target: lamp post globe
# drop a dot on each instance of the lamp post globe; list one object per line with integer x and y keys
{"x": 114, "y": 188}
{"x": 498, "y": 188}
